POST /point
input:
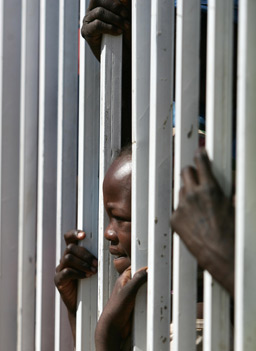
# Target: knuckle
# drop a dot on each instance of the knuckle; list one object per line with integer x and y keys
{"x": 68, "y": 258}
{"x": 98, "y": 25}
{"x": 70, "y": 234}
{"x": 56, "y": 279}
{"x": 69, "y": 247}
{"x": 84, "y": 30}
{"x": 86, "y": 265}
{"x": 182, "y": 192}
{"x": 189, "y": 172}
{"x": 65, "y": 273}
{"x": 99, "y": 12}
{"x": 57, "y": 269}
{"x": 210, "y": 190}
{"x": 86, "y": 259}
{"x": 186, "y": 170}
{"x": 191, "y": 197}
{"x": 174, "y": 218}
{"x": 66, "y": 235}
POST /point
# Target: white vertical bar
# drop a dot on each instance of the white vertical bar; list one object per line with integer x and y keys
{"x": 9, "y": 187}
{"x": 160, "y": 175}
{"x": 47, "y": 161}
{"x": 110, "y": 142}
{"x": 140, "y": 144}
{"x": 1, "y": 113}
{"x": 28, "y": 175}
{"x": 67, "y": 150}
{"x": 245, "y": 321}
{"x": 110, "y": 132}
{"x": 218, "y": 142}
{"x": 186, "y": 142}
{"x": 88, "y": 186}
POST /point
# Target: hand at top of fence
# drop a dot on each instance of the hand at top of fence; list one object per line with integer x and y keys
{"x": 204, "y": 220}
{"x": 107, "y": 17}
{"x": 112, "y": 17}
{"x": 115, "y": 322}
{"x": 76, "y": 263}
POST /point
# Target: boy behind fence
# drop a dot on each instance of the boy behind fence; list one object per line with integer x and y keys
{"x": 210, "y": 240}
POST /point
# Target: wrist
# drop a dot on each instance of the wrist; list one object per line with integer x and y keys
{"x": 107, "y": 337}
{"x": 72, "y": 322}
{"x": 223, "y": 272}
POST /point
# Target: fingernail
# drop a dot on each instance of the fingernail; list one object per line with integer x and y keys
{"x": 81, "y": 235}
{"x": 93, "y": 269}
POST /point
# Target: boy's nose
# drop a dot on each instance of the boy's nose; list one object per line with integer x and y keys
{"x": 110, "y": 234}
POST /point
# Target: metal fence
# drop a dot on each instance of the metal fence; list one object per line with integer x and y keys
{"x": 60, "y": 117}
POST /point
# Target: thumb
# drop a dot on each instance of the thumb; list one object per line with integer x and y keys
{"x": 139, "y": 278}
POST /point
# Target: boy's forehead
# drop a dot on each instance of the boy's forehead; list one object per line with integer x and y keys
{"x": 123, "y": 169}
{"x": 120, "y": 169}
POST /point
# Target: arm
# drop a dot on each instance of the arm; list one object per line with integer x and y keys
{"x": 115, "y": 322}
{"x": 76, "y": 263}
{"x": 204, "y": 220}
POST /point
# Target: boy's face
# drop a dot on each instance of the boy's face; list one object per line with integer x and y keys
{"x": 117, "y": 202}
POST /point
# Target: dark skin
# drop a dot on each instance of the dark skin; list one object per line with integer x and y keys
{"x": 204, "y": 220}
{"x": 107, "y": 17}
{"x": 117, "y": 202}
{"x": 115, "y": 323}
{"x": 78, "y": 263}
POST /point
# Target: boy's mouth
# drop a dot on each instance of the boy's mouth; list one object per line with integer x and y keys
{"x": 121, "y": 260}
{"x": 119, "y": 256}
{"x": 116, "y": 253}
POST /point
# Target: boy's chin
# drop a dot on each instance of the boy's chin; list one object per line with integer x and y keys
{"x": 121, "y": 264}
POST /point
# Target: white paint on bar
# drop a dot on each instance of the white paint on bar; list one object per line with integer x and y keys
{"x": 1, "y": 114}
{"x": 218, "y": 143}
{"x": 245, "y": 282}
{"x": 160, "y": 176}
{"x": 186, "y": 142}
{"x": 60, "y": 155}
{"x": 28, "y": 175}
{"x": 67, "y": 151}
{"x": 110, "y": 143}
{"x": 141, "y": 27}
{"x": 88, "y": 180}
{"x": 47, "y": 148}
{"x": 9, "y": 168}
{"x": 40, "y": 177}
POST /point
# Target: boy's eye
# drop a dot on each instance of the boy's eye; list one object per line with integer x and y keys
{"x": 119, "y": 219}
